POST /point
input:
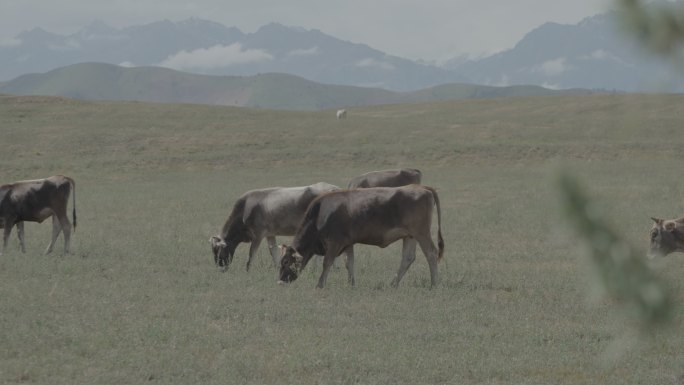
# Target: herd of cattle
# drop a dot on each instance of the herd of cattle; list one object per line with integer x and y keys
{"x": 377, "y": 208}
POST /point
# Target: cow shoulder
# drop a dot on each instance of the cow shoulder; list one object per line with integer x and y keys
{"x": 5, "y": 203}
{"x": 5, "y": 192}
{"x": 22, "y": 190}
{"x": 326, "y": 207}
{"x": 253, "y": 204}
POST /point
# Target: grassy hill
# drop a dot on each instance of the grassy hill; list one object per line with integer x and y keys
{"x": 95, "y": 81}
{"x": 141, "y": 301}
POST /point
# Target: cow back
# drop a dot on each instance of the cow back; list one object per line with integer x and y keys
{"x": 387, "y": 178}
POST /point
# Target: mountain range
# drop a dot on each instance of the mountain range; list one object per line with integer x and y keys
{"x": 206, "y": 47}
{"x": 591, "y": 54}
{"x": 98, "y": 81}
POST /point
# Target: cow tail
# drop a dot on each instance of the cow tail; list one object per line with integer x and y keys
{"x": 73, "y": 196}
{"x": 440, "y": 240}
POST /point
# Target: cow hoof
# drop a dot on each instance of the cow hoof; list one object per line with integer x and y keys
{"x": 281, "y": 282}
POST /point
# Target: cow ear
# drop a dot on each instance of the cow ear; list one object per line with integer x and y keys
{"x": 657, "y": 221}
{"x": 217, "y": 241}
{"x": 670, "y": 226}
{"x": 298, "y": 260}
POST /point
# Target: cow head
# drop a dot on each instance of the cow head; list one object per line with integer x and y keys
{"x": 666, "y": 238}
{"x": 290, "y": 264}
{"x": 223, "y": 254}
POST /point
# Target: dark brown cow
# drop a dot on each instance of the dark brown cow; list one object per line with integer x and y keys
{"x": 264, "y": 213}
{"x": 36, "y": 201}
{"x": 386, "y": 178}
{"x": 374, "y": 216}
{"x": 667, "y": 236}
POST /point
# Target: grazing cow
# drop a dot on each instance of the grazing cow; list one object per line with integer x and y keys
{"x": 264, "y": 213}
{"x": 36, "y": 201}
{"x": 667, "y": 236}
{"x": 341, "y": 114}
{"x": 386, "y": 178}
{"x": 375, "y": 216}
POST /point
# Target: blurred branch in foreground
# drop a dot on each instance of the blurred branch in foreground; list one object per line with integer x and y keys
{"x": 622, "y": 272}
{"x": 659, "y": 27}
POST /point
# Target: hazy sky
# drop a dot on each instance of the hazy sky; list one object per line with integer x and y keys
{"x": 415, "y": 29}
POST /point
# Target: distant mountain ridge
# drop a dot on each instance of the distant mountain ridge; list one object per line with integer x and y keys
{"x": 206, "y": 47}
{"x": 591, "y": 54}
{"x": 98, "y": 81}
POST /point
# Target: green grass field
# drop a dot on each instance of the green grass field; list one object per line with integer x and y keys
{"x": 139, "y": 300}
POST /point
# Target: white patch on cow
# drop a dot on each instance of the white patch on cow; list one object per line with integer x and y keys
{"x": 290, "y": 194}
{"x": 274, "y": 201}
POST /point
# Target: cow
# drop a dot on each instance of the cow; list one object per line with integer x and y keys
{"x": 386, "y": 178}
{"x": 341, "y": 114}
{"x": 375, "y": 216}
{"x": 36, "y": 201}
{"x": 264, "y": 213}
{"x": 667, "y": 236}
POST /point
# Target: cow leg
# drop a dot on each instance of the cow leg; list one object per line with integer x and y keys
{"x": 430, "y": 250}
{"x": 6, "y": 234}
{"x": 253, "y": 249}
{"x": 274, "y": 249}
{"x": 66, "y": 229}
{"x": 408, "y": 255}
{"x": 349, "y": 263}
{"x": 56, "y": 229}
{"x": 20, "y": 233}
{"x": 327, "y": 264}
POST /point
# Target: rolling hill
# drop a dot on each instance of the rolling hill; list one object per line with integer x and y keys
{"x": 98, "y": 81}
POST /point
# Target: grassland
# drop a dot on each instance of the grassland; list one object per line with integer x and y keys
{"x": 140, "y": 301}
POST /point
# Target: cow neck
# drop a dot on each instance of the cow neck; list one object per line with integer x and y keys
{"x": 679, "y": 237}
{"x": 306, "y": 254}
{"x": 233, "y": 230}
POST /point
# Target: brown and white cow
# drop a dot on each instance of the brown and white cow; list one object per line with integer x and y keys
{"x": 36, "y": 201}
{"x": 264, "y": 213}
{"x": 386, "y": 178}
{"x": 667, "y": 236}
{"x": 374, "y": 216}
